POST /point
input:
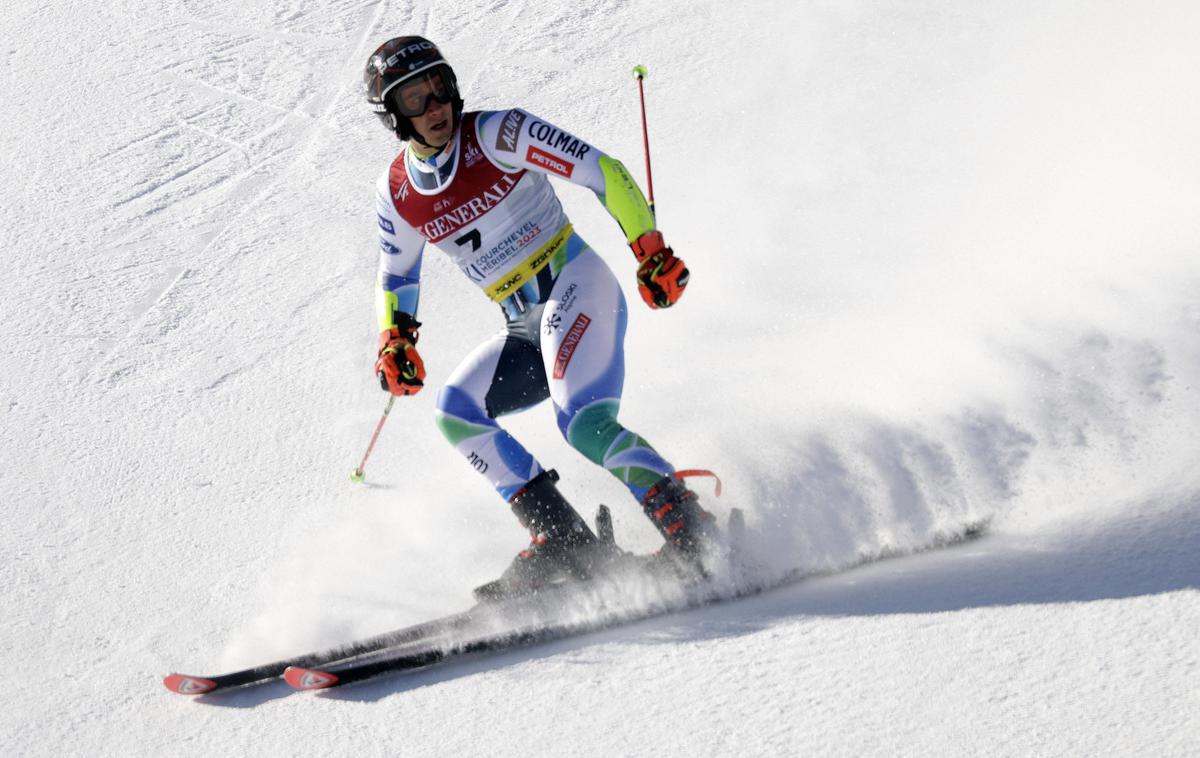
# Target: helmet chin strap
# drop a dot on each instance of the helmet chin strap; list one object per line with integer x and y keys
{"x": 417, "y": 136}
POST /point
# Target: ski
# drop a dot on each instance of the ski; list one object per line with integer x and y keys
{"x": 698, "y": 595}
{"x": 187, "y": 684}
{"x": 495, "y": 627}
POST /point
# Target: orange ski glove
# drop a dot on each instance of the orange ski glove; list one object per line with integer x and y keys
{"x": 399, "y": 367}
{"x": 661, "y": 275}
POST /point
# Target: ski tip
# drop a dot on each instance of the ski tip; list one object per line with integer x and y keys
{"x": 308, "y": 679}
{"x": 188, "y": 685}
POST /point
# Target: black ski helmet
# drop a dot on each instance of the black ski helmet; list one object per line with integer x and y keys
{"x": 393, "y": 62}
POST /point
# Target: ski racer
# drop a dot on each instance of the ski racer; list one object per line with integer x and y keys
{"x": 475, "y": 184}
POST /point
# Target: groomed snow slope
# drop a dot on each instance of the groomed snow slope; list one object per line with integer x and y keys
{"x": 946, "y": 266}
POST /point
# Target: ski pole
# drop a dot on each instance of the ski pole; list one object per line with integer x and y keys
{"x": 358, "y": 475}
{"x": 639, "y": 73}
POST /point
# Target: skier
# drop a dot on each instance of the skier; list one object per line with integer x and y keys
{"x": 475, "y": 184}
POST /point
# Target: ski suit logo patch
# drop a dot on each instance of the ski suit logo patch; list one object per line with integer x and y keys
{"x": 558, "y": 139}
{"x": 567, "y": 350}
{"x": 549, "y": 162}
{"x": 510, "y": 129}
{"x": 472, "y": 154}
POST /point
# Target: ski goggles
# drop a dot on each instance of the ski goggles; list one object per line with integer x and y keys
{"x": 412, "y": 96}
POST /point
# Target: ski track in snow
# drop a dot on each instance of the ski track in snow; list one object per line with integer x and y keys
{"x": 944, "y": 268}
{"x": 246, "y": 192}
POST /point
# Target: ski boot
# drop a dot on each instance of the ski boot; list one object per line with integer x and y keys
{"x": 689, "y": 530}
{"x": 563, "y": 547}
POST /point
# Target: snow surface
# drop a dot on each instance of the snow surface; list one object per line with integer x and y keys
{"x": 946, "y": 265}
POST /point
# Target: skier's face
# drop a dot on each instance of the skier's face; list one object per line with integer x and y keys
{"x": 436, "y": 124}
